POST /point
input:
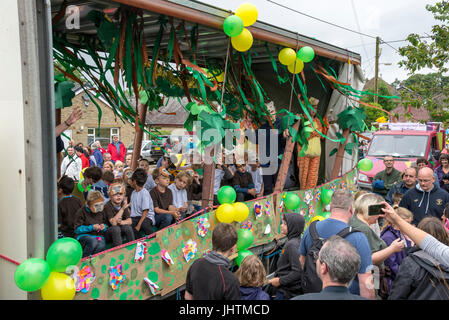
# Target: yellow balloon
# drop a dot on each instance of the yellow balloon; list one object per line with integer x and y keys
{"x": 287, "y": 56}
{"x": 241, "y": 211}
{"x": 247, "y": 12}
{"x": 296, "y": 68}
{"x": 59, "y": 286}
{"x": 82, "y": 174}
{"x": 243, "y": 41}
{"x": 317, "y": 217}
{"x": 225, "y": 213}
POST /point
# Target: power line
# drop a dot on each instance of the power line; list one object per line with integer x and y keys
{"x": 321, "y": 20}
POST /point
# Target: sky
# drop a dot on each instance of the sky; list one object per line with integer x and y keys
{"x": 391, "y": 20}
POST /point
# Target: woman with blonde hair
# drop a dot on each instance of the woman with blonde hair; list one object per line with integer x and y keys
{"x": 380, "y": 251}
{"x": 252, "y": 277}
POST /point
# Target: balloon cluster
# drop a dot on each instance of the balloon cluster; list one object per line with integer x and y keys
{"x": 230, "y": 211}
{"x": 234, "y": 26}
{"x": 48, "y": 275}
{"x": 295, "y": 61}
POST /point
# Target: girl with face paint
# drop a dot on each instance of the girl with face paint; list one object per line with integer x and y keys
{"x": 91, "y": 224}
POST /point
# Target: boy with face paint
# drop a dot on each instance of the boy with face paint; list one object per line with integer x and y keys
{"x": 118, "y": 214}
{"x": 91, "y": 224}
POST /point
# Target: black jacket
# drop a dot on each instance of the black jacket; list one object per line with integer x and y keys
{"x": 289, "y": 268}
{"x": 424, "y": 204}
{"x": 420, "y": 277}
{"x": 209, "y": 278}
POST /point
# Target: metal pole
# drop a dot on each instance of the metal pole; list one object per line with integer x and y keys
{"x": 376, "y": 70}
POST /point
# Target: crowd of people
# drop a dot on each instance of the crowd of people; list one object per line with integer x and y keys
{"x": 401, "y": 252}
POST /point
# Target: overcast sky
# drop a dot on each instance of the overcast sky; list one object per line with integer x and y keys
{"x": 389, "y": 19}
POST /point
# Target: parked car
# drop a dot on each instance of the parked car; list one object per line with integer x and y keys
{"x": 149, "y": 150}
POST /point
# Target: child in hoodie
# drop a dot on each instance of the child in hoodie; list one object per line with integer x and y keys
{"x": 288, "y": 275}
{"x": 252, "y": 277}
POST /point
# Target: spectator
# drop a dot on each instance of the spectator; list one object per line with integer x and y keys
{"x": 256, "y": 174}
{"x": 106, "y": 157}
{"x": 71, "y": 165}
{"x": 118, "y": 169}
{"x": 165, "y": 213}
{"x": 128, "y": 159}
{"x": 420, "y": 276}
{"x": 68, "y": 205}
{"x": 221, "y": 172}
{"x": 80, "y": 153}
{"x": 341, "y": 212}
{"x": 101, "y": 185}
{"x": 337, "y": 264}
{"x": 286, "y": 282}
{"x": 243, "y": 184}
{"x": 74, "y": 117}
{"x": 426, "y": 198}
{"x": 379, "y": 250}
{"x": 385, "y": 179}
{"x": 269, "y": 180}
{"x": 149, "y": 184}
{"x": 443, "y": 168}
{"x": 108, "y": 166}
{"x": 396, "y": 199}
{"x": 142, "y": 209}
{"x": 252, "y": 277}
{"x": 209, "y": 278}
{"x": 445, "y": 185}
{"x": 179, "y": 192}
{"x": 99, "y": 147}
{"x": 195, "y": 190}
{"x": 96, "y": 153}
{"x": 118, "y": 215}
{"x": 91, "y": 224}
{"x": 127, "y": 173}
{"x": 389, "y": 234}
{"x": 117, "y": 149}
{"x": 407, "y": 183}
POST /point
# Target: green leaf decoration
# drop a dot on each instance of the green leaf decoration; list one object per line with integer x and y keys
{"x": 64, "y": 94}
{"x": 333, "y": 151}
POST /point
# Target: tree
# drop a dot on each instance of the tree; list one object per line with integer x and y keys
{"x": 432, "y": 90}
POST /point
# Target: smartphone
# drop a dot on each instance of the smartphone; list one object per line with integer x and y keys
{"x": 375, "y": 209}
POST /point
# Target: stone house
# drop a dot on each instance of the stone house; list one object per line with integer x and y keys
{"x": 86, "y": 131}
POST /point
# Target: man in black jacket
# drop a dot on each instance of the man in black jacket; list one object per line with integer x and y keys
{"x": 425, "y": 199}
{"x": 209, "y": 278}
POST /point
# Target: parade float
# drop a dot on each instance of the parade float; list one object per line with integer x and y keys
{"x": 229, "y": 66}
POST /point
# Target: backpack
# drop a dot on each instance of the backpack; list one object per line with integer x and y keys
{"x": 311, "y": 283}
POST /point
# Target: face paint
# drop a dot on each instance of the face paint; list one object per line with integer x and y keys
{"x": 97, "y": 207}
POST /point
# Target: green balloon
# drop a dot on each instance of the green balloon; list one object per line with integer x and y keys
{"x": 292, "y": 201}
{"x": 245, "y": 239}
{"x": 32, "y": 274}
{"x": 81, "y": 188}
{"x": 226, "y": 194}
{"x": 242, "y": 255}
{"x": 306, "y": 54}
{"x": 326, "y": 196}
{"x": 233, "y": 26}
{"x": 63, "y": 253}
{"x": 365, "y": 164}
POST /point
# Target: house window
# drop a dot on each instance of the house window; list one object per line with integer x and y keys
{"x": 104, "y": 135}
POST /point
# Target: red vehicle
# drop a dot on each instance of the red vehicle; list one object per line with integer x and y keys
{"x": 406, "y": 143}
